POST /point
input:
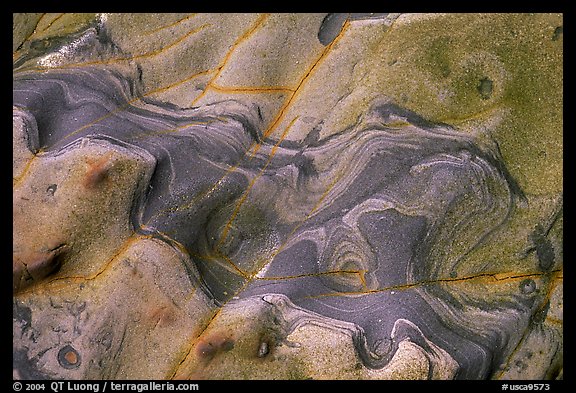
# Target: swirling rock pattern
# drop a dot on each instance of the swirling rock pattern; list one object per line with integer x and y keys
{"x": 269, "y": 219}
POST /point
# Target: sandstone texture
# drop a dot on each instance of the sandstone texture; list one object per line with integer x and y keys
{"x": 288, "y": 196}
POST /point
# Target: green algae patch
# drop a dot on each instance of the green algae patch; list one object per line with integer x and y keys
{"x": 454, "y": 68}
{"x": 174, "y": 310}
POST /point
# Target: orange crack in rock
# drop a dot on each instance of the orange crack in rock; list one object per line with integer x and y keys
{"x": 189, "y": 353}
{"x": 555, "y": 276}
{"x": 303, "y": 80}
{"x": 242, "y": 38}
{"x": 484, "y": 278}
{"x": 17, "y": 180}
{"x": 175, "y": 374}
{"x": 130, "y": 58}
{"x": 179, "y": 21}
{"x": 173, "y": 44}
{"x": 216, "y": 258}
{"x": 182, "y": 81}
{"x": 252, "y": 182}
{"x": 252, "y": 89}
{"x": 15, "y": 54}
{"x": 49, "y": 24}
{"x": 64, "y": 281}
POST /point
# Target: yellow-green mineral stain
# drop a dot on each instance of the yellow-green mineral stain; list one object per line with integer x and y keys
{"x": 455, "y": 67}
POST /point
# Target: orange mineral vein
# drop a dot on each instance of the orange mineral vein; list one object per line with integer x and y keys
{"x": 242, "y": 38}
{"x": 280, "y": 114}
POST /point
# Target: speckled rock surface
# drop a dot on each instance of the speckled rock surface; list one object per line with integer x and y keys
{"x": 287, "y": 196}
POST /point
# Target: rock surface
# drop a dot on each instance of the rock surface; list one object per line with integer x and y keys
{"x": 287, "y": 196}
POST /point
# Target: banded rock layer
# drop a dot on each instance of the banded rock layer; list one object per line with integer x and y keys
{"x": 198, "y": 237}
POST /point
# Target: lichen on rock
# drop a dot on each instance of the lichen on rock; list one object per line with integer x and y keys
{"x": 252, "y": 196}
